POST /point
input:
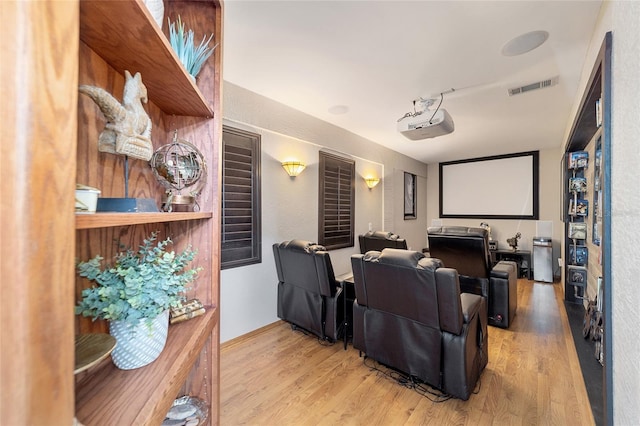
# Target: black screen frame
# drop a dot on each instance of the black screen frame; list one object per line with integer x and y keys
{"x": 494, "y": 189}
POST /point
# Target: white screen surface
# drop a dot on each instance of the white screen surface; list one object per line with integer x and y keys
{"x": 504, "y": 186}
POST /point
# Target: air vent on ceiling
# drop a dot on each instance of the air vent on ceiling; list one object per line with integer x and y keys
{"x": 534, "y": 86}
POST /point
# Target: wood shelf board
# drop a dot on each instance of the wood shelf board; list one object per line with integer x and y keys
{"x": 144, "y": 395}
{"x": 125, "y": 36}
{"x": 105, "y": 220}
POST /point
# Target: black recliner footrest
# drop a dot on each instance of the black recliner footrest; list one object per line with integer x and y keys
{"x": 503, "y": 294}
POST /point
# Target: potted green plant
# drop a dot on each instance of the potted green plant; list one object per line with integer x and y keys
{"x": 182, "y": 42}
{"x": 135, "y": 295}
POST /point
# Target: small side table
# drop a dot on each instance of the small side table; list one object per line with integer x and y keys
{"x": 349, "y": 290}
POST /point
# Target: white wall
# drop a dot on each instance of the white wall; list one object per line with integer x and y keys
{"x": 290, "y": 205}
{"x": 501, "y": 229}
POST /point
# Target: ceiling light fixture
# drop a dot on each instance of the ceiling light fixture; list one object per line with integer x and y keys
{"x": 524, "y": 43}
{"x": 293, "y": 168}
{"x": 371, "y": 182}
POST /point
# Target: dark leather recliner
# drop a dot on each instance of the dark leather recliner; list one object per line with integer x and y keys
{"x": 467, "y": 250}
{"x": 409, "y": 314}
{"x": 309, "y": 296}
{"x": 378, "y": 240}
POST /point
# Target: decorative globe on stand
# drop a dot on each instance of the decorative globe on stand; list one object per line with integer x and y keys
{"x": 179, "y": 167}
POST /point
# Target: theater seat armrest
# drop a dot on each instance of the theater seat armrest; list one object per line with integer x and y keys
{"x": 470, "y": 305}
{"x": 503, "y": 268}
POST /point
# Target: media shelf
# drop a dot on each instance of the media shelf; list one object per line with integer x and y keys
{"x": 587, "y": 242}
{"x": 144, "y": 395}
{"x": 105, "y": 220}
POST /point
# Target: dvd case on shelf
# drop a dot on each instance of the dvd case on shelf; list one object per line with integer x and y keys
{"x": 578, "y": 207}
{"x": 578, "y": 230}
{"x": 596, "y": 205}
{"x": 596, "y": 233}
{"x": 578, "y": 255}
{"x": 578, "y": 184}
{"x": 578, "y": 159}
{"x": 577, "y": 275}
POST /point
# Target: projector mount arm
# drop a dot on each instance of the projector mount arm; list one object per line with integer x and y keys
{"x": 426, "y": 104}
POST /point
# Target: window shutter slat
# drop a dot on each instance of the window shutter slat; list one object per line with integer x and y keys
{"x": 336, "y": 201}
{"x": 241, "y": 239}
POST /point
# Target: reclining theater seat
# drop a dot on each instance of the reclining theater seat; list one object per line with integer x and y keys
{"x": 309, "y": 296}
{"x": 378, "y": 240}
{"x": 409, "y": 314}
{"x": 467, "y": 250}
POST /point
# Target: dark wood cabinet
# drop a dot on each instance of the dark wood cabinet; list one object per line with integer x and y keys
{"x": 49, "y": 145}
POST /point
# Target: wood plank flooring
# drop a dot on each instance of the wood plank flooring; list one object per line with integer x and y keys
{"x": 276, "y": 376}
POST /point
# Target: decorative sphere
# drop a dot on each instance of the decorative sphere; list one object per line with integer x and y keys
{"x": 177, "y": 165}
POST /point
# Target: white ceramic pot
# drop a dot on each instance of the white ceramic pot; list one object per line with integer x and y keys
{"x": 139, "y": 345}
{"x": 156, "y": 7}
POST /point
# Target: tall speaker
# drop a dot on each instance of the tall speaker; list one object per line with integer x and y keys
{"x": 544, "y": 228}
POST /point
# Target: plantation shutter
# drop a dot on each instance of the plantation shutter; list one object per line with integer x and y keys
{"x": 336, "y": 201}
{"x": 241, "y": 232}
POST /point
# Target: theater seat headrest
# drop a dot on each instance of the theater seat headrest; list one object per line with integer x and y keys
{"x": 304, "y": 246}
{"x": 407, "y": 258}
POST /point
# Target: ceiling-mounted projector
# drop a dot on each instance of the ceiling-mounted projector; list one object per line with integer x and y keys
{"x": 426, "y": 124}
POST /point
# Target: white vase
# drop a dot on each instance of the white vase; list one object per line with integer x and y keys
{"x": 138, "y": 345}
{"x": 156, "y": 7}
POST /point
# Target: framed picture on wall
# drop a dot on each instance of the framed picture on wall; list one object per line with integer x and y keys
{"x": 409, "y": 196}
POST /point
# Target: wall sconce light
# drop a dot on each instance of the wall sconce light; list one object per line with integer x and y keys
{"x": 293, "y": 168}
{"x": 371, "y": 182}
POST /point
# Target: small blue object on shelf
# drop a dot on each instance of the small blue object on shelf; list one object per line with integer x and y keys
{"x": 130, "y": 205}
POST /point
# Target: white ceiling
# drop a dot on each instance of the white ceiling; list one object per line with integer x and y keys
{"x": 376, "y": 57}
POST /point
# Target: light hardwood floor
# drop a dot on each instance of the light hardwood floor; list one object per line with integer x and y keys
{"x": 276, "y": 376}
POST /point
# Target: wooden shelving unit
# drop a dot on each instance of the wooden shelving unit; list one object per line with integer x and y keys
{"x": 147, "y": 393}
{"x": 39, "y": 90}
{"x": 116, "y": 36}
{"x": 51, "y": 135}
{"x": 124, "y": 34}
{"x": 104, "y": 220}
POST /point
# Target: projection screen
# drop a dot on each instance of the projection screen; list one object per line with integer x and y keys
{"x": 498, "y": 187}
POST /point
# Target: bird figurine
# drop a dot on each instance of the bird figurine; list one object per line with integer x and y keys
{"x": 128, "y": 128}
{"x": 513, "y": 241}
